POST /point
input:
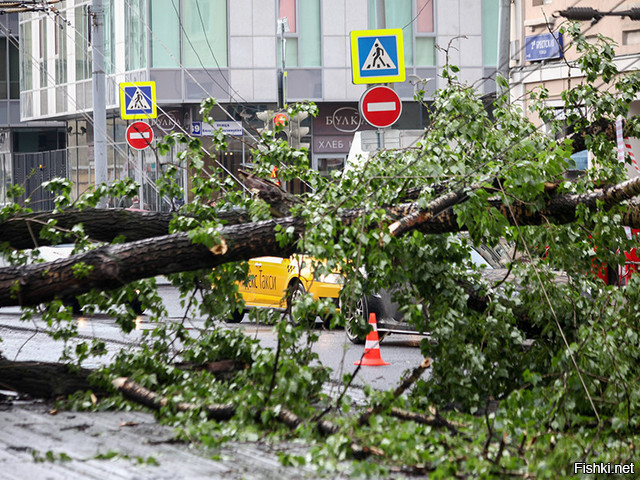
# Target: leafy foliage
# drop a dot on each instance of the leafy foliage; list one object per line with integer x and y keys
{"x": 546, "y": 373}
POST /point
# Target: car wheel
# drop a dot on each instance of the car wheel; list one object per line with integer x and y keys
{"x": 74, "y": 304}
{"x": 236, "y": 316}
{"x": 361, "y": 314}
{"x": 296, "y": 291}
{"x": 136, "y": 306}
{"x": 326, "y": 321}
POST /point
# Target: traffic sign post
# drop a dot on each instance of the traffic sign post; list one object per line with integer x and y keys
{"x": 380, "y": 106}
{"x": 377, "y": 56}
{"x": 139, "y": 135}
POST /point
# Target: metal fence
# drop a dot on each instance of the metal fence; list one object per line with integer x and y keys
{"x": 32, "y": 169}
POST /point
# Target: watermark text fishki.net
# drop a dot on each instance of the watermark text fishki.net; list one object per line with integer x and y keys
{"x": 603, "y": 468}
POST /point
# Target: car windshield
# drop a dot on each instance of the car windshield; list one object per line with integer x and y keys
{"x": 493, "y": 257}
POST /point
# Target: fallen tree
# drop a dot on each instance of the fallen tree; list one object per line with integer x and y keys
{"x": 112, "y": 266}
{"x": 385, "y": 222}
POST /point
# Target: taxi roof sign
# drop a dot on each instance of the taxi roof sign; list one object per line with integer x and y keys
{"x": 138, "y": 100}
{"x": 377, "y": 56}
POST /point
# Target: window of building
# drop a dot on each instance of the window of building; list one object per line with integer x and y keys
{"x": 9, "y": 69}
{"x": 26, "y": 75}
{"x": 109, "y": 38}
{"x": 42, "y": 52}
{"x": 425, "y": 36}
{"x": 204, "y": 36}
{"x": 83, "y": 53}
{"x": 4, "y": 66}
{"x": 135, "y": 33}
{"x": 631, "y": 37}
{"x": 414, "y": 17}
{"x": 490, "y": 24}
{"x": 165, "y": 33}
{"x": 14, "y": 70}
{"x": 60, "y": 49}
{"x": 303, "y": 37}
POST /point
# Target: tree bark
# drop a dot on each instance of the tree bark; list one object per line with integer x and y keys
{"x": 43, "y": 380}
{"x": 112, "y": 266}
{"x": 101, "y": 225}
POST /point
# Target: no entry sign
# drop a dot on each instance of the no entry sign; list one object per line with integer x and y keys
{"x": 139, "y": 135}
{"x": 380, "y": 106}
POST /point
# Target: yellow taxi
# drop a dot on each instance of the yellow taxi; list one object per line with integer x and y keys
{"x": 276, "y": 283}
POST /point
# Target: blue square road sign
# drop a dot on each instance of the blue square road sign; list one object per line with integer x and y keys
{"x": 377, "y": 56}
{"x": 138, "y": 100}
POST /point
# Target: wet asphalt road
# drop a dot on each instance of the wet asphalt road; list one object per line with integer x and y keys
{"x": 28, "y": 341}
{"x": 36, "y": 441}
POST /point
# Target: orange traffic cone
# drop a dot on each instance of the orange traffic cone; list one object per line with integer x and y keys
{"x": 371, "y": 355}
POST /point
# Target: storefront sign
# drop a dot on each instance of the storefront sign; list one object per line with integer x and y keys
{"x": 334, "y": 127}
{"x": 332, "y": 144}
{"x": 337, "y": 119}
{"x": 171, "y": 121}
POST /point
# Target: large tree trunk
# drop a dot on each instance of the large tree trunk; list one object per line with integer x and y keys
{"x": 43, "y": 380}
{"x": 101, "y": 225}
{"x": 116, "y": 265}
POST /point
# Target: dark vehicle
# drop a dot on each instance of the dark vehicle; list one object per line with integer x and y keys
{"x": 389, "y": 319}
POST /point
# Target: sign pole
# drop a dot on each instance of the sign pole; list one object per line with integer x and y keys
{"x": 140, "y": 179}
{"x": 99, "y": 102}
{"x": 283, "y": 27}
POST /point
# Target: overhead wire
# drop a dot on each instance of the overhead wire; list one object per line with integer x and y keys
{"x": 82, "y": 113}
{"x": 418, "y": 14}
{"x": 541, "y": 66}
{"x": 510, "y": 147}
{"x": 187, "y": 71}
{"x": 186, "y": 35}
{"x": 213, "y": 55}
{"x": 111, "y": 78}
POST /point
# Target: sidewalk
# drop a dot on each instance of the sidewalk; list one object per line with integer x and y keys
{"x": 38, "y": 444}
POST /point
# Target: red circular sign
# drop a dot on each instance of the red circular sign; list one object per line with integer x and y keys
{"x": 380, "y": 106}
{"x": 281, "y": 119}
{"x": 139, "y": 135}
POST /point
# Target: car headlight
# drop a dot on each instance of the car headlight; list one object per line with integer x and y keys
{"x": 332, "y": 278}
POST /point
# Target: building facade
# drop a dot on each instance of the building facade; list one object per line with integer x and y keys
{"x": 230, "y": 50}
{"x": 22, "y": 143}
{"x": 541, "y": 57}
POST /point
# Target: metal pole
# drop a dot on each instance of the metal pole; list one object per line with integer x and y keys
{"x": 381, "y": 23}
{"x": 282, "y": 101}
{"x": 504, "y": 32}
{"x": 140, "y": 177}
{"x": 99, "y": 101}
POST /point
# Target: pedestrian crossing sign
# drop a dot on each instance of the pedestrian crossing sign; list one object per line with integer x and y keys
{"x": 377, "y": 56}
{"x": 138, "y": 100}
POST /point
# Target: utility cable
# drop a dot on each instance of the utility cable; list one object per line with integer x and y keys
{"x": 88, "y": 119}
{"x": 112, "y": 79}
